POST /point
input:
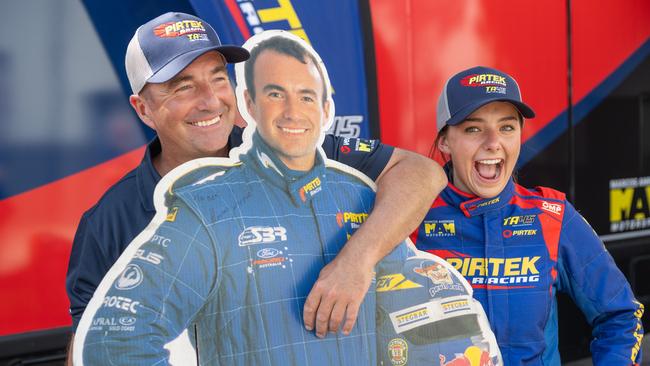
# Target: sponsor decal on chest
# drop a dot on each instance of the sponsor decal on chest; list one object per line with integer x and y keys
{"x": 499, "y": 271}
{"x": 310, "y": 189}
{"x": 354, "y": 219}
{"x": 554, "y": 208}
{"x": 268, "y": 258}
{"x": 439, "y": 228}
{"x": 262, "y": 235}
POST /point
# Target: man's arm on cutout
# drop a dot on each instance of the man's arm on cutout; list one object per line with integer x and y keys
{"x": 405, "y": 190}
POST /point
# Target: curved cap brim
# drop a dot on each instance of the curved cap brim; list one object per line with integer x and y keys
{"x": 461, "y": 115}
{"x": 232, "y": 54}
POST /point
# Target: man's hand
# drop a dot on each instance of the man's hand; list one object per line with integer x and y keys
{"x": 337, "y": 295}
{"x": 405, "y": 190}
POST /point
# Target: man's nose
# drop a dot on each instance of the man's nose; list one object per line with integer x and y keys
{"x": 208, "y": 98}
{"x": 291, "y": 108}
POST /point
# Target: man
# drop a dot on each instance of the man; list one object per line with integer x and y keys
{"x": 232, "y": 256}
{"x": 176, "y": 67}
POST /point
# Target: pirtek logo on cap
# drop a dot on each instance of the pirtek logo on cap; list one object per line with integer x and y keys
{"x": 176, "y": 29}
{"x": 477, "y": 80}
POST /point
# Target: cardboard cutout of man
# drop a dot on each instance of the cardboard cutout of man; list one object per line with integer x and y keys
{"x": 237, "y": 244}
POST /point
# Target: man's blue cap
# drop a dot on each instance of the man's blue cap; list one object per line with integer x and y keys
{"x": 164, "y": 46}
{"x": 473, "y": 88}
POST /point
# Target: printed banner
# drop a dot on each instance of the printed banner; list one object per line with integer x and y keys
{"x": 629, "y": 204}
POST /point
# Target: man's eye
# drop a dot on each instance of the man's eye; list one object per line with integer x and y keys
{"x": 275, "y": 95}
{"x": 182, "y": 88}
{"x": 307, "y": 99}
{"x": 508, "y": 128}
{"x": 472, "y": 129}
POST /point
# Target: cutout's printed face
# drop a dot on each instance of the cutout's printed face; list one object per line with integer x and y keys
{"x": 288, "y": 107}
{"x": 284, "y": 92}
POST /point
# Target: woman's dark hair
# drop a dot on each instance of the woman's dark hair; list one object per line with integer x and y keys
{"x": 436, "y": 150}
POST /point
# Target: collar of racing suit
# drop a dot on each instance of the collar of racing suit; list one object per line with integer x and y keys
{"x": 300, "y": 186}
{"x": 472, "y": 205}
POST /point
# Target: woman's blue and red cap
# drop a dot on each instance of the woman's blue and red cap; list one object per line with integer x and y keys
{"x": 473, "y": 88}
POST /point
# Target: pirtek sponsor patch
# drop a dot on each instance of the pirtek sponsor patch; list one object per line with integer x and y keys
{"x": 310, "y": 189}
{"x": 477, "y": 80}
{"x": 353, "y": 218}
{"x": 175, "y": 29}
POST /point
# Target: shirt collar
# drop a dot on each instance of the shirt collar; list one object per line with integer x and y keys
{"x": 472, "y": 205}
{"x": 147, "y": 176}
{"x": 301, "y": 186}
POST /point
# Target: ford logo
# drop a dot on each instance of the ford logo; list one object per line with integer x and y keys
{"x": 267, "y": 253}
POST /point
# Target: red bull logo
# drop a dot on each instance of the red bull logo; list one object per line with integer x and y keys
{"x": 473, "y": 356}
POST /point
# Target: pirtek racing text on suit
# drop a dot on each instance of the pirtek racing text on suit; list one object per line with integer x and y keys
{"x": 517, "y": 250}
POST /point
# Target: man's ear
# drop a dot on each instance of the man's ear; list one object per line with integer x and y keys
{"x": 249, "y": 103}
{"x": 443, "y": 144}
{"x": 326, "y": 111}
{"x": 142, "y": 109}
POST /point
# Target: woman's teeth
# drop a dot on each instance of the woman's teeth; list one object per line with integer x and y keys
{"x": 489, "y": 168}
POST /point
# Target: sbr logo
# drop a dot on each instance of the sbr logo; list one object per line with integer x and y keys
{"x": 262, "y": 234}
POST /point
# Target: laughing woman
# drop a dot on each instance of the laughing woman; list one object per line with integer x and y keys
{"x": 519, "y": 246}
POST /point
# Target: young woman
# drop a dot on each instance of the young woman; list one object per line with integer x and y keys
{"x": 519, "y": 246}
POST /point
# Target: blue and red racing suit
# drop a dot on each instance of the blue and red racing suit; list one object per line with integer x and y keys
{"x": 517, "y": 250}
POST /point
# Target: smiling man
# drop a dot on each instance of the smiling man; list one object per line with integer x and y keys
{"x": 244, "y": 239}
